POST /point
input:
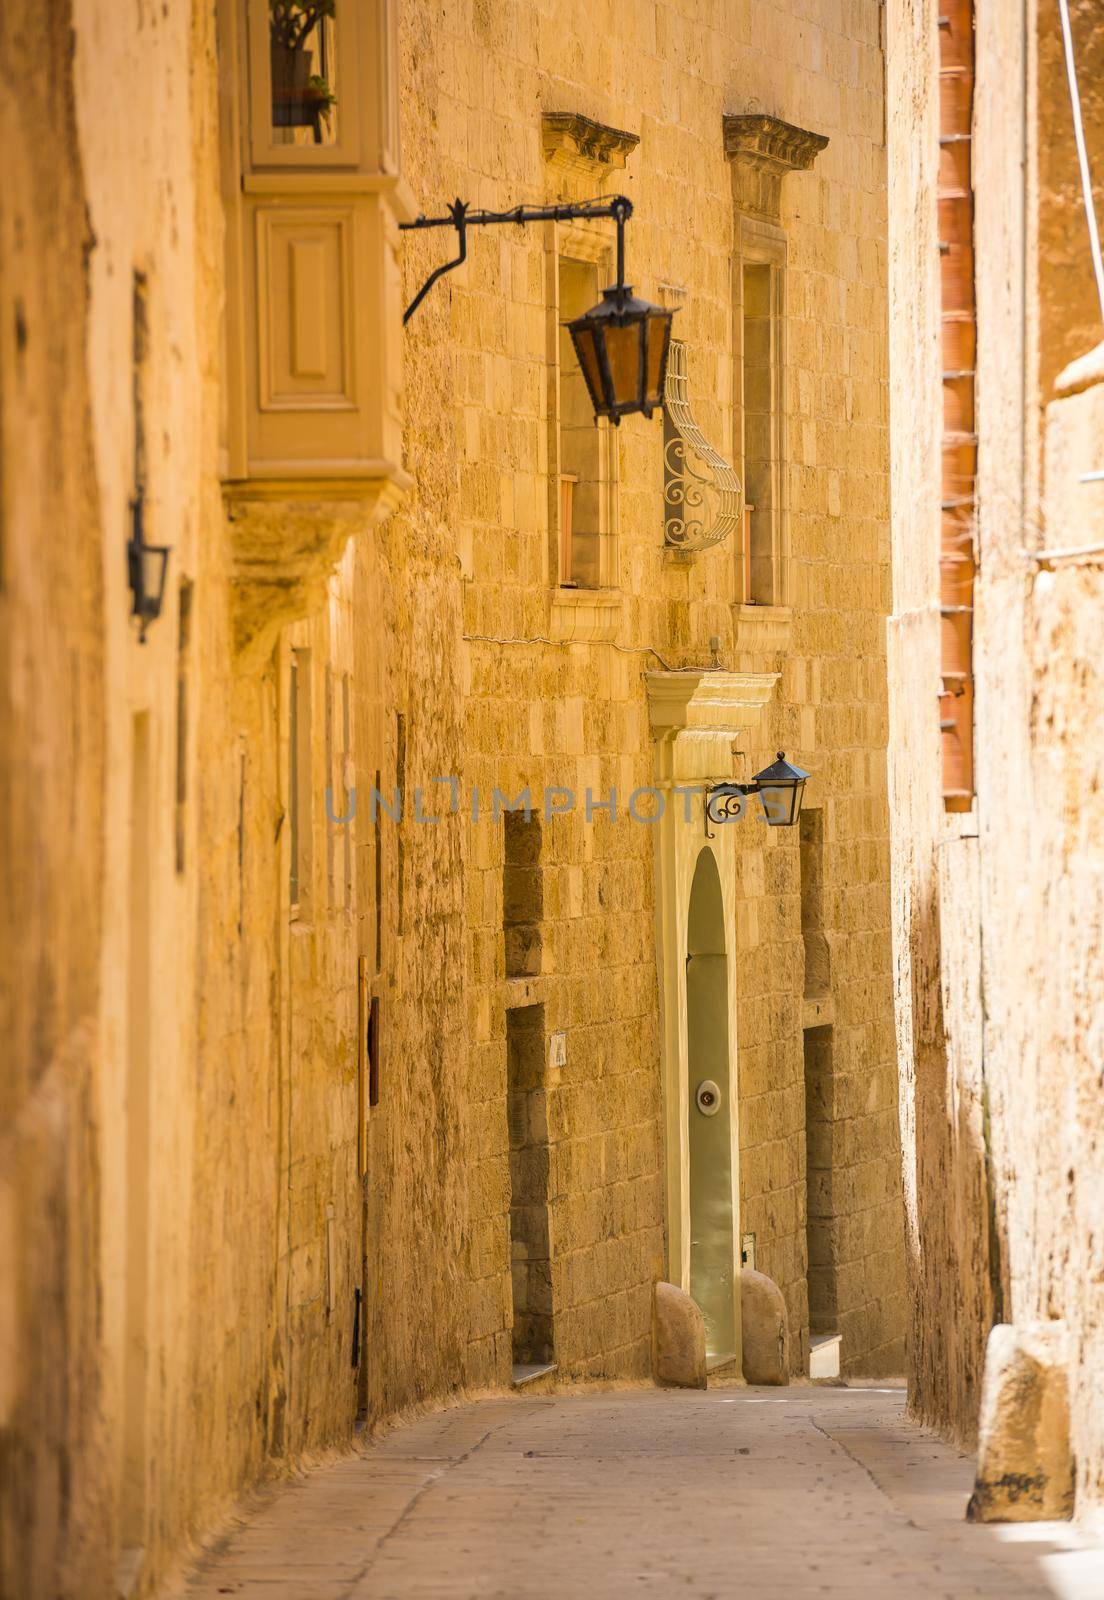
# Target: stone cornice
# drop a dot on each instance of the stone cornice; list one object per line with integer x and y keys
{"x": 762, "y": 151}
{"x": 578, "y": 144}
{"x": 770, "y": 144}
{"x": 707, "y": 700}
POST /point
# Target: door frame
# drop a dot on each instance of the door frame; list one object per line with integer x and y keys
{"x": 695, "y": 716}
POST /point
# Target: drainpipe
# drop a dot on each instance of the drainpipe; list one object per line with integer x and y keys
{"x": 959, "y": 352}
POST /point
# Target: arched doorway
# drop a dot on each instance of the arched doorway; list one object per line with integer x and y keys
{"x": 712, "y": 1245}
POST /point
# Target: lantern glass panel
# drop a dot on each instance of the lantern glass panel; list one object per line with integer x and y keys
{"x": 155, "y": 560}
{"x": 659, "y": 339}
{"x": 623, "y": 341}
{"x": 146, "y": 569}
{"x": 587, "y": 353}
{"x": 781, "y": 804}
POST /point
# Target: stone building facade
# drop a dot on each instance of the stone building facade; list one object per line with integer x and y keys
{"x": 317, "y": 1109}
{"x": 997, "y": 906}
{"x": 565, "y": 686}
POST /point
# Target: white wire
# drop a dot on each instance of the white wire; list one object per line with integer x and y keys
{"x": 1082, "y": 153}
{"x": 540, "y": 638}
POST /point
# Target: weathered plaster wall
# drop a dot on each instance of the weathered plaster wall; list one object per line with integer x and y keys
{"x": 182, "y": 1067}
{"x": 55, "y": 1506}
{"x": 424, "y": 1191}
{"x": 1041, "y": 924}
{"x": 1065, "y": 1146}
{"x": 997, "y": 919}
{"x": 946, "y": 1112}
{"x": 1068, "y": 305}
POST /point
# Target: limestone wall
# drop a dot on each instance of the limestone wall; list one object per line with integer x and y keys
{"x": 996, "y": 913}
{"x": 543, "y": 710}
{"x": 53, "y": 1512}
{"x": 1043, "y": 970}
{"x": 1064, "y": 1147}
{"x": 935, "y": 869}
{"x": 185, "y": 1218}
{"x": 182, "y": 1214}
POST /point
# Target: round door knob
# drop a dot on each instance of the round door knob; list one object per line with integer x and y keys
{"x": 708, "y": 1097}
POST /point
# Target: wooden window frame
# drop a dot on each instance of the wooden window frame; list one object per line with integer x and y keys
{"x": 586, "y": 246}
{"x": 263, "y": 151}
{"x": 760, "y": 243}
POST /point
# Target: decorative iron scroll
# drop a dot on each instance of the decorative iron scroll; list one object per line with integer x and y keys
{"x": 702, "y": 507}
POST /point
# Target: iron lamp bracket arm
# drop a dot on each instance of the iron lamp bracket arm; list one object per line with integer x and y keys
{"x": 725, "y": 802}
{"x": 733, "y": 788}
{"x": 461, "y": 217}
{"x": 457, "y": 218}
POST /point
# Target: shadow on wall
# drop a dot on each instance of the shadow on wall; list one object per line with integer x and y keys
{"x": 955, "y": 1247}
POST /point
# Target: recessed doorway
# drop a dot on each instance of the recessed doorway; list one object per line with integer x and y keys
{"x": 712, "y": 1211}
{"x": 530, "y": 1234}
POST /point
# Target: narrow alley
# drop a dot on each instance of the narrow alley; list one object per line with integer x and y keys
{"x": 822, "y": 1493}
{"x": 551, "y": 799}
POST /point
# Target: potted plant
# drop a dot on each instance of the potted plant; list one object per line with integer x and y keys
{"x": 300, "y": 98}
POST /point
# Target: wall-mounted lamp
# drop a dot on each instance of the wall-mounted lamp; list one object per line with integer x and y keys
{"x": 622, "y": 344}
{"x": 147, "y": 565}
{"x": 780, "y": 788}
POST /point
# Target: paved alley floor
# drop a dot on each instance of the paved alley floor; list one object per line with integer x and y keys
{"x": 759, "y": 1492}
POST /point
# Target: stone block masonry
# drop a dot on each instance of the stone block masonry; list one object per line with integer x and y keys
{"x": 539, "y": 713}
{"x": 272, "y": 1161}
{"x": 996, "y": 910}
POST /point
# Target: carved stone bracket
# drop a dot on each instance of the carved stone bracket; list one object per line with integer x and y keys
{"x": 577, "y": 144}
{"x": 763, "y": 150}
{"x": 284, "y": 547}
{"x": 696, "y": 712}
{"x": 701, "y": 490}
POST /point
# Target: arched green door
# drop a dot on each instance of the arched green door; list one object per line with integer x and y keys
{"x": 712, "y": 1251}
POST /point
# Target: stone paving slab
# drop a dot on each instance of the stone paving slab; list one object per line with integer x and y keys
{"x": 825, "y": 1493}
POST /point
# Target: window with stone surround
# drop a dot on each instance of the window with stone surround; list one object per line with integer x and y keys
{"x": 762, "y": 151}
{"x": 585, "y": 503}
{"x": 761, "y": 427}
{"x": 583, "y": 158}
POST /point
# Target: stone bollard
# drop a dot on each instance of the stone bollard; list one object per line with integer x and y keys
{"x": 1024, "y": 1465}
{"x": 766, "y": 1335}
{"x": 678, "y": 1338}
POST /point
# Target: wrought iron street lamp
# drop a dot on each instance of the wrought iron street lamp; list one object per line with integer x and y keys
{"x": 147, "y": 565}
{"x": 622, "y": 343}
{"x": 780, "y": 787}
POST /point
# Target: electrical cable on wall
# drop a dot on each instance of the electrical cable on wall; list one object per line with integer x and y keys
{"x": 625, "y": 649}
{"x": 1082, "y": 152}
